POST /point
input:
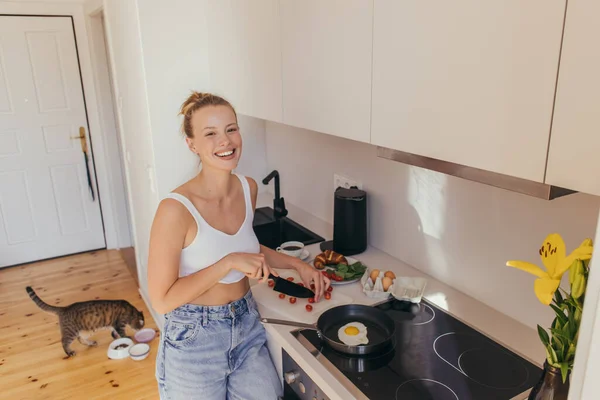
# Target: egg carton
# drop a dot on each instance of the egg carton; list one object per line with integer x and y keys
{"x": 375, "y": 290}
{"x": 409, "y": 288}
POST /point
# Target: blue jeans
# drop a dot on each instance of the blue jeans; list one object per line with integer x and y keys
{"x": 216, "y": 352}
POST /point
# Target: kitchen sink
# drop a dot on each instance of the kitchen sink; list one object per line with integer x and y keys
{"x": 271, "y": 232}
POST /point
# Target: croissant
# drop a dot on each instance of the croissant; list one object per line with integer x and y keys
{"x": 329, "y": 257}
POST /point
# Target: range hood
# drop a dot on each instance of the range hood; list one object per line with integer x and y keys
{"x": 519, "y": 185}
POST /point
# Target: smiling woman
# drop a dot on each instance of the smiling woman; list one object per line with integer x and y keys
{"x": 203, "y": 251}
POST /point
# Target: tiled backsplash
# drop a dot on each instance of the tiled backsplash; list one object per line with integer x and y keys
{"x": 458, "y": 231}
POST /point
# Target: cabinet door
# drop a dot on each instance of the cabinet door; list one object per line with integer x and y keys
{"x": 575, "y": 139}
{"x": 326, "y": 61}
{"x": 467, "y": 81}
{"x": 245, "y": 55}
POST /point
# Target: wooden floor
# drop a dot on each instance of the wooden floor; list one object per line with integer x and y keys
{"x": 32, "y": 364}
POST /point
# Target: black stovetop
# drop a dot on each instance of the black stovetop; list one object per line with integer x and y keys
{"x": 435, "y": 356}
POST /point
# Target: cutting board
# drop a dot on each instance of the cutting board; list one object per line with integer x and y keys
{"x": 268, "y": 298}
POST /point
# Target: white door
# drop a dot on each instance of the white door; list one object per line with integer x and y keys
{"x": 46, "y": 205}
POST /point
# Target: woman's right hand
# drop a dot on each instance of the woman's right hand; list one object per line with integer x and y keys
{"x": 253, "y": 265}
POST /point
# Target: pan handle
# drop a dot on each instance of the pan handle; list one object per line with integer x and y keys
{"x": 288, "y": 323}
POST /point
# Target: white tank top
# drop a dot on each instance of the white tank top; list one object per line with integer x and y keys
{"x": 210, "y": 244}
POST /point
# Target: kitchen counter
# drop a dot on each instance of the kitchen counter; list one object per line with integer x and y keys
{"x": 519, "y": 338}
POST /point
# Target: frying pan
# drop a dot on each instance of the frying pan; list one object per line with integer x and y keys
{"x": 380, "y": 328}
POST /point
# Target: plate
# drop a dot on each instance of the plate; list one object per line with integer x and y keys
{"x": 350, "y": 261}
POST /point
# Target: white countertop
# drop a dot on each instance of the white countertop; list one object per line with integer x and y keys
{"x": 519, "y": 338}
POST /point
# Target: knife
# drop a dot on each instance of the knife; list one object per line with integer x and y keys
{"x": 284, "y": 286}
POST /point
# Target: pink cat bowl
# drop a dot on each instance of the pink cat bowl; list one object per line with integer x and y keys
{"x": 139, "y": 351}
{"x": 144, "y": 335}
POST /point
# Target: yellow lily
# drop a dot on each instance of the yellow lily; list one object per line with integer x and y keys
{"x": 554, "y": 258}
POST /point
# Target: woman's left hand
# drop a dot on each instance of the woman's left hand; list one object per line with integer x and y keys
{"x": 309, "y": 275}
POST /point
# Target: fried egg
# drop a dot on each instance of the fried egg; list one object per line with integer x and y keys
{"x": 353, "y": 334}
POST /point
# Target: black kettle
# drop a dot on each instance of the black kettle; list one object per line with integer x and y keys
{"x": 349, "y": 222}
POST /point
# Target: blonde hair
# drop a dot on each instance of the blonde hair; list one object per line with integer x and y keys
{"x": 196, "y": 101}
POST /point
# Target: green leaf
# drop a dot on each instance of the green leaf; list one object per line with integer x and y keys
{"x": 572, "y": 325}
{"x": 561, "y": 316}
{"x": 558, "y": 344}
{"x": 571, "y": 352}
{"x": 564, "y": 371}
{"x": 556, "y": 324}
{"x": 558, "y": 299}
{"x": 543, "y": 336}
{"x": 559, "y": 334}
{"x": 342, "y": 268}
{"x": 554, "y": 356}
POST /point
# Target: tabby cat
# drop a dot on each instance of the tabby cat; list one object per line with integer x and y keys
{"x": 80, "y": 320}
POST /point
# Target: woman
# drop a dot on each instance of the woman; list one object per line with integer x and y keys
{"x": 203, "y": 251}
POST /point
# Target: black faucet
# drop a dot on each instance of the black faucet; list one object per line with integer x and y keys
{"x": 279, "y": 210}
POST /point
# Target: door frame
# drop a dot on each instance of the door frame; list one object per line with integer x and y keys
{"x": 117, "y": 234}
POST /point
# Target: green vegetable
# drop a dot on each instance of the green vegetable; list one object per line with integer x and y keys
{"x": 349, "y": 272}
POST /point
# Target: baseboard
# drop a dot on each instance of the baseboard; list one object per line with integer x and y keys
{"x": 159, "y": 319}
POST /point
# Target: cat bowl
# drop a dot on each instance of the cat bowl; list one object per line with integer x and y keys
{"x": 144, "y": 335}
{"x": 119, "y": 348}
{"x": 139, "y": 351}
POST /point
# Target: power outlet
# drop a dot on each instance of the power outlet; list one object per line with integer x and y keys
{"x": 345, "y": 182}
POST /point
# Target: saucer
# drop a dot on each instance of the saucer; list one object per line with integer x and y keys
{"x": 305, "y": 254}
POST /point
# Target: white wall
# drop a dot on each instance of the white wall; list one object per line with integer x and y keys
{"x": 155, "y": 68}
{"x": 458, "y": 231}
{"x": 125, "y": 46}
{"x": 584, "y": 383}
{"x": 176, "y": 62}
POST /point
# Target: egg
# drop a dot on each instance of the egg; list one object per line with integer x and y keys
{"x": 353, "y": 334}
{"x": 374, "y": 274}
{"x": 390, "y": 275}
{"x": 386, "y": 282}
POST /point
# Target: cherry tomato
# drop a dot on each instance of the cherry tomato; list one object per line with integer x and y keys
{"x": 338, "y": 278}
{"x": 328, "y": 295}
{"x": 312, "y": 286}
{"x": 301, "y": 284}
{"x": 308, "y": 307}
{"x": 281, "y": 296}
{"x": 291, "y": 279}
{"x": 271, "y": 283}
{"x": 292, "y": 300}
{"x": 325, "y": 273}
{"x": 311, "y": 299}
{"x": 330, "y": 289}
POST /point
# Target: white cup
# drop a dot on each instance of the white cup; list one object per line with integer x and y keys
{"x": 292, "y": 248}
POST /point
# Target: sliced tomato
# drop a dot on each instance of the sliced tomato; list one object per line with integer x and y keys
{"x": 312, "y": 286}
{"x": 291, "y": 279}
{"x": 271, "y": 283}
{"x": 281, "y": 296}
{"x": 308, "y": 307}
{"x": 338, "y": 278}
{"x": 311, "y": 299}
{"x": 328, "y": 295}
{"x": 292, "y": 300}
{"x": 330, "y": 289}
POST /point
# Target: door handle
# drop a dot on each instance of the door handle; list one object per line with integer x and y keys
{"x": 82, "y": 139}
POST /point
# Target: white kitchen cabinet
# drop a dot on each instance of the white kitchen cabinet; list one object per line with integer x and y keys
{"x": 326, "y": 66}
{"x": 467, "y": 81}
{"x": 245, "y": 55}
{"x": 575, "y": 139}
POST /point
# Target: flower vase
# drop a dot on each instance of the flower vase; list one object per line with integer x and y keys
{"x": 550, "y": 386}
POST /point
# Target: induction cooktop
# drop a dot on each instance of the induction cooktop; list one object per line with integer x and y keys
{"x": 433, "y": 356}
